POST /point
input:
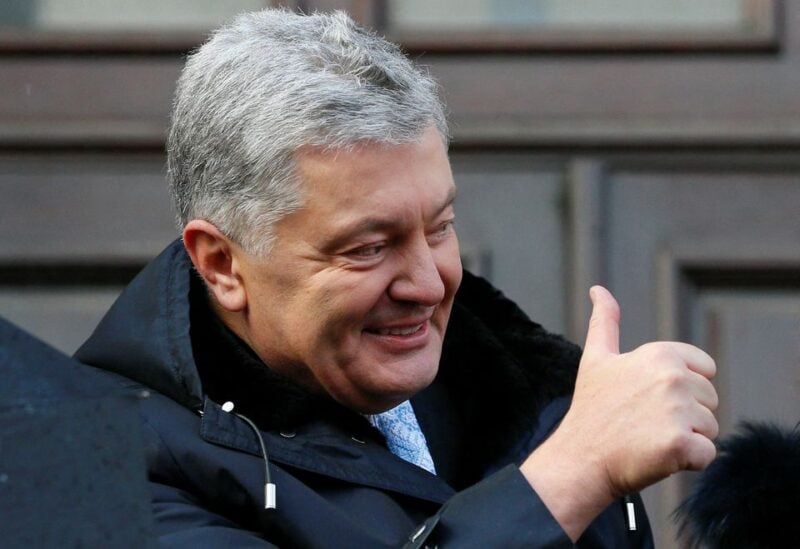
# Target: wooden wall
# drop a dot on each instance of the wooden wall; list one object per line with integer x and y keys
{"x": 669, "y": 173}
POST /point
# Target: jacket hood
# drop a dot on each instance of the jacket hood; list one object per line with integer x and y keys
{"x": 145, "y": 334}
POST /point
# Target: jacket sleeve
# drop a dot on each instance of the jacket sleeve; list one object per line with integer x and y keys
{"x": 504, "y": 511}
{"x": 501, "y": 511}
{"x": 181, "y": 522}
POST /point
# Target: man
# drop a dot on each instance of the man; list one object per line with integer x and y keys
{"x": 314, "y": 327}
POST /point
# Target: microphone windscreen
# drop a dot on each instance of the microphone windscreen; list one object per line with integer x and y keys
{"x": 749, "y": 496}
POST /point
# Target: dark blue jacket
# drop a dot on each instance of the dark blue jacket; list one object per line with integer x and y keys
{"x": 502, "y": 387}
{"x": 72, "y": 465}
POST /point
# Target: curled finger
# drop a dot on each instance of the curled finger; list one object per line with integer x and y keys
{"x": 704, "y": 423}
{"x": 704, "y": 391}
{"x": 700, "y": 453}
{"x": 696, "y": 359}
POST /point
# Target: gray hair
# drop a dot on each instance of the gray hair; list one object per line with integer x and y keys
{"x": 268, "y": 84}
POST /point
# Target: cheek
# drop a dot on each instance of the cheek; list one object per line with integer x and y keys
{"x": 448, "y": 263}
{"x": 347, "y": 299}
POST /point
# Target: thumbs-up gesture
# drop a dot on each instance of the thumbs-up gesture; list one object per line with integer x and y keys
{"x": 635, "y": 418}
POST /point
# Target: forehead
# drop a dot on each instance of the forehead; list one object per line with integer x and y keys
{"x": 376, "y": 176}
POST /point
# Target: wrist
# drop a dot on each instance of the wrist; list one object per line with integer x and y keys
{"x": 571, "y": 481}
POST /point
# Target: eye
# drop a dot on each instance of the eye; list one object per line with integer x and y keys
{"x": 370, "y": 251}
{"x": 444, "y": 229}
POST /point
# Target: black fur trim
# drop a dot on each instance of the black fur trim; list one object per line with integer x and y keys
{"x": 503, "y": 368}
{"x": 750, "y": 495}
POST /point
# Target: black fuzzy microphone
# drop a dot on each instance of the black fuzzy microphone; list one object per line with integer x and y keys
{"x": 749, "y": 496}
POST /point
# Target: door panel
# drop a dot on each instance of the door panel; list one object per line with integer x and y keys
{"x": 705, "y": 250}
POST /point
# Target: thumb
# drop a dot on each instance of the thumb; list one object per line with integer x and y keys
{"x": 602, "y": 337}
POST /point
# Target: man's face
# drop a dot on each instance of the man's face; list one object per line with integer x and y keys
{"x": 355, "y": 295}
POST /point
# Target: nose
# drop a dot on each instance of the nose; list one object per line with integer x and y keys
{"x": 418, "y": 280}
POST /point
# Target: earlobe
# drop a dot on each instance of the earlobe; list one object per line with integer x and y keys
{"x": 214, "y": 256}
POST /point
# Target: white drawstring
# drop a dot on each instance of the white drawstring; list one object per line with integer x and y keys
{"x": 269, "y": 487}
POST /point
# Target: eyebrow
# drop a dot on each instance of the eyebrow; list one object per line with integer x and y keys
{"x": 380, "y": 224}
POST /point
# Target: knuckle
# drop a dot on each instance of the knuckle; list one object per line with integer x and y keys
{"x": 712, "y": 454}
{"x": 714, "y": 429}
{"x": 706, "y": 364}
{"x": 674, "y": 378}
{"x": 703, "y": 457}
{"x": 677, "y": 410}
{"x": 712, "y": 366}
{"x": 595, "y": 321}
{"x": 679, "y": 444}
{"x": 714, "y": 399}
{"x": 713, "y": 426}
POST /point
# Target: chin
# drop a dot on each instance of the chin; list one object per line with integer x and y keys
{"x": 408, "y": 387}
{"x": 383, "y": 395}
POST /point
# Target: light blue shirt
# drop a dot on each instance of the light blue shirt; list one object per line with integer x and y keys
{"x": 403, "y": 435}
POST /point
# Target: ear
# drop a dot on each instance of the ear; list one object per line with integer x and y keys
{"x": 215, "y": 257}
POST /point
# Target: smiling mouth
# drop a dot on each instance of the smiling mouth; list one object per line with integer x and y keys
{"x": 405, "y": 331}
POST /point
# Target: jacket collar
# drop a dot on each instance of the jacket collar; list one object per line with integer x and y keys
{"x": 145, "y": 334}
{"x": 324, "y": 448}
{"x": 231, "y": 371}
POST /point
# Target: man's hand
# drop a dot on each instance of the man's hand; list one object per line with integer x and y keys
{"x": 635, "y": 418}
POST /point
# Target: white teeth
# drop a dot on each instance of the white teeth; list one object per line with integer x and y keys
{"x": 400, "y": 331}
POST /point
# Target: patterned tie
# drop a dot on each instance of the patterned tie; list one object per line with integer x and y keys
{"x": 403, "y": 435}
